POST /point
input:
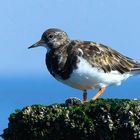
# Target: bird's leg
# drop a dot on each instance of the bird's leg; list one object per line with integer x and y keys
{"x": 98, "y": 93}
{"x": 84, "y": 95}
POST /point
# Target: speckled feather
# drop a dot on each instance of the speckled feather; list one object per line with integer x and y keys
{"x": 107, "y": 59}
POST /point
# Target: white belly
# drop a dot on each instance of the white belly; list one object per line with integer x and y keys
{"x": 88, "y": 77}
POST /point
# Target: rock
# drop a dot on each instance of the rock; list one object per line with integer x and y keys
{"x": 73, "y": 101}
{"x": 110, "y": 119}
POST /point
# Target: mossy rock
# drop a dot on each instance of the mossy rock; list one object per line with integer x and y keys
{"x": 110, "y": 119}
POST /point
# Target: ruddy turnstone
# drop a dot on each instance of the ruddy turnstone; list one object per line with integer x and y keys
{"x": 85, "y": 65}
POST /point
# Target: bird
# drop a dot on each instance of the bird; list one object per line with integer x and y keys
{"x": 85, "y": 65}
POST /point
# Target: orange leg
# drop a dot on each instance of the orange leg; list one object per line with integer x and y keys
{"x": 84, "y": 96}
{"x": 98, "y": 93}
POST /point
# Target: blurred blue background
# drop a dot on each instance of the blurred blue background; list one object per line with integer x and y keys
{"x": 24, "y": 79}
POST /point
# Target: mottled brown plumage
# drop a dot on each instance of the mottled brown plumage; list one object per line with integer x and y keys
{"x": 105, "y": 58}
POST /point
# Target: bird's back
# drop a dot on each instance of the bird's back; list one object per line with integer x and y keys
{"x": 107, "y": 59}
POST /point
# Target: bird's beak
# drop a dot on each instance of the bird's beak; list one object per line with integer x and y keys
{"x": 37, "y": 44}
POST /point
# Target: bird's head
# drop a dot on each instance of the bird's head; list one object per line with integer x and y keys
{"x": 52, "y": 38}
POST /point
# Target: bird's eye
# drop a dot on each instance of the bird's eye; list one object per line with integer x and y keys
{"x": 50, "y": 36}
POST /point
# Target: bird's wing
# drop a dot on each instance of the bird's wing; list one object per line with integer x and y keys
{"x": 107, "y": 59}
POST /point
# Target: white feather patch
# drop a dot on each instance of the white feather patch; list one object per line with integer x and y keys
{"x": 88, "y": 77}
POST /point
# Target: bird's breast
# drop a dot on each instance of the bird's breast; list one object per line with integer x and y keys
{"x": 61, "y": 64}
